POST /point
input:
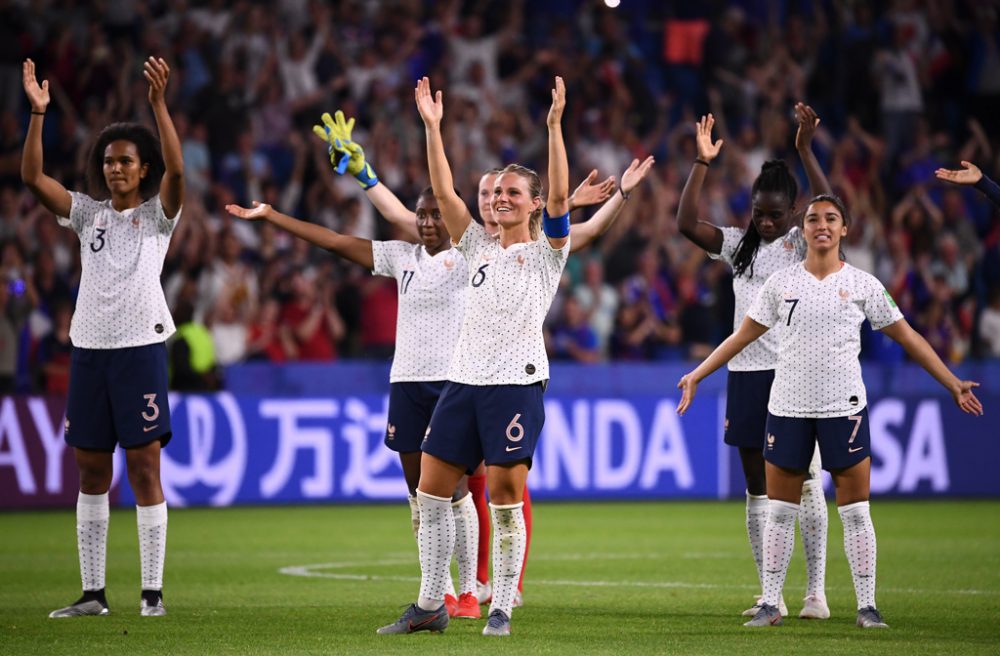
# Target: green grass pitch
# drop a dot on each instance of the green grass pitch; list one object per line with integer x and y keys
{"x": 615, "y": 578}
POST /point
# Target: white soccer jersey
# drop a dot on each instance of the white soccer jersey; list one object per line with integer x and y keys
{"x": 780, "y": 253}
{"x": 431, "y": 306}
{"x": 510, "y": 290}
{"x": 818, "y": 373}
{"x": 121, "y": 302}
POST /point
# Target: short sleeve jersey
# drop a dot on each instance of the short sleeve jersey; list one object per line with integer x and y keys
{"x": 509, "y": 294}
{"x": 431, "y": 305}
{"x": 818, "y": 373}
{"x": 121, "y": 302}
{"x": 780, "y": 253}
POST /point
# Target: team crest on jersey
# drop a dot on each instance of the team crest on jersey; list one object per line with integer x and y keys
{"x": 520, "y": 260}
{"x": 449, "y": 264}
{"x": 135, "y": 222}
{"x": 101, "y": 221}
{"x": 486, "y": 258}
{"x": 770, "y": 441}
{"x": 788, "y": 245}
{"x": 844, "y": 294}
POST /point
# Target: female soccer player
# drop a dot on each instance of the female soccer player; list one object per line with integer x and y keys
{"x": 336, "y": 131}
{"x": 431, "y": 279}
{"x": 491, "y": 409}
{"x": 768, "y": 244}
{"x": 118, "y": 370}
{"x": 970, "y": 174}
{"x": 818, "y": 395}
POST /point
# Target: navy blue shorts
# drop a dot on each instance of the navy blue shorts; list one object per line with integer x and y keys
{"x": 493, "y": 423}
{"x": 747, "y": 394}
{"x": 118, "y": 396}
{"x": 843, "y": 441}
{"x": 410, "y": 408}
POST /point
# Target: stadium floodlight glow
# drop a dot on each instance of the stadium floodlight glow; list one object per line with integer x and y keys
{"x": 612, "y": 3}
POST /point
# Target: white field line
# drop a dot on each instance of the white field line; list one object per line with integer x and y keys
{"x": 319, "y": 571}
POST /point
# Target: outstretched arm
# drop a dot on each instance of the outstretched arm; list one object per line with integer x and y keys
{"x": 557, "y": 203}
{"x": 582, "y": 234}
{"x": 394, "y": 211}
{"x": 454, "y": 212}
{"x": 808, "y": 122}
{"x": 48, "y": 191}
{"x": 355, "y": 249}
{"x": 172, "y": 186}
{"x": 749, "y": 331}
{"x": 921, "y": 352}
{"x": 702, "y": 234}
{"x": 970, "y": 174}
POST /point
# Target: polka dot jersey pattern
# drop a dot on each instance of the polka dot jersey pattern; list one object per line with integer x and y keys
{"x": 432, "y": 291}
{"x": 818, "y": 373}
{"x": 121, "y": 302}
{"x": 510, "y": 291}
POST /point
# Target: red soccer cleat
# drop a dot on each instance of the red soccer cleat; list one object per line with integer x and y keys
{"x": 451, "y": 604}
{"x": 468, "y": 607}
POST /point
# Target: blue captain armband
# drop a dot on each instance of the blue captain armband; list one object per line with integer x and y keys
{"x": 556, "y": 227}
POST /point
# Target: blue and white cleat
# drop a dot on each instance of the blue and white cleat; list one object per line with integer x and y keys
{"x": 870, "y": 618}
{"x": 753, "y": 610}
{"x": 498, "y": 624}
{"x": 768, "y": 615}
{"x": 416, "y": 619}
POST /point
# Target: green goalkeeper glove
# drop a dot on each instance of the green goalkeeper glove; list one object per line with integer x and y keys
{"x": 345, "y": 155}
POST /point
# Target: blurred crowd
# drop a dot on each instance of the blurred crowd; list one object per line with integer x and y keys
{"x": 902, "y": 87}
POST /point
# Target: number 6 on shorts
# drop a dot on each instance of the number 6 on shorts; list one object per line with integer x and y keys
{"x": 515, "y": 431}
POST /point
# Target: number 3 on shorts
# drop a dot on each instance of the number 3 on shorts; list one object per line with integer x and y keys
{"x": 515, "y": 431}
{"x": 151, "y": 404}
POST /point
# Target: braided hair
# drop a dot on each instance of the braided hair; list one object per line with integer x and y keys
{"x": 775, "y": 176}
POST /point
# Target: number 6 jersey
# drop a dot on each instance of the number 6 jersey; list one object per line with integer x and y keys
{"x": 818, "y": 373}
{"x": 121, "y": 302}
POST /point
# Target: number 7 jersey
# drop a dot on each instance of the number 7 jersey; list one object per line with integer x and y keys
{"x": 819, "y": 337}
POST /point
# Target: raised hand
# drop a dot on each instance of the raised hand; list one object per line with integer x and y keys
{"x": 38, "y": 96}
{"x": 808, "y": 122}
{"x": 431, "y": 107}
{"x": 688, "y": 387}
{"x": 257, "y": 212}
{"x": 969, "y": 175}
{"x": 589, "y": 193}
{"x": 703, "y": 139}
{"x": 965, "y": 399}
{"x": 558, "y": 102}
{"x": 635, "y": 173}
{"x": 156, "y": 73}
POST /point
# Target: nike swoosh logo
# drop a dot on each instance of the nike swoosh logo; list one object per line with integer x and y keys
{"x": 146, "y": 429}
{"x": 854, "y": 450}
{"x": 512, "y": 448}
{"x": 414, "y": 627}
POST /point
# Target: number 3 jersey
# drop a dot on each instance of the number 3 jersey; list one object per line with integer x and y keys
{"x": 431, "y": 291}
{"x": 510, "y": 291}
{"x": 121, "y": 302}
{"x": 819, "y": 338}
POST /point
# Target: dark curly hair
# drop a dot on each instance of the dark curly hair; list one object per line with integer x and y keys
{"x": 775, "y": 176}
{"x": 145, "y": 142}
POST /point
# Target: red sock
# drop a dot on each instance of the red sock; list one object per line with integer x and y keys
{"x": 477, "y": 485}
{"x": 527, "y": 543}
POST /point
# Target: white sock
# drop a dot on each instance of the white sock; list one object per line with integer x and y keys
{"x": 414, "y": 515}
{"x": 510, "y": 537}
{"x": 436, "y": 541}
{"x": 152, "y": 524}
{"x": 466, "y": 542}
{"x": 756, "y": 518}
{"x": 779, "y": 542}
{"x": 859, "y": 544}
{"x": 92, "y": 513}
{"x": 813, "y": 523}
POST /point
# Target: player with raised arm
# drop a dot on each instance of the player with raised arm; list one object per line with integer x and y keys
{"x": 769, "y": 243}
{"x": 491, "y": 409}
{"x": 348, "y": 156}
{"x": 431, "y": 280}
{"x": 970, "y": 174}
{"x": 118, "y": 370}
{"x": 818, "y": 395}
